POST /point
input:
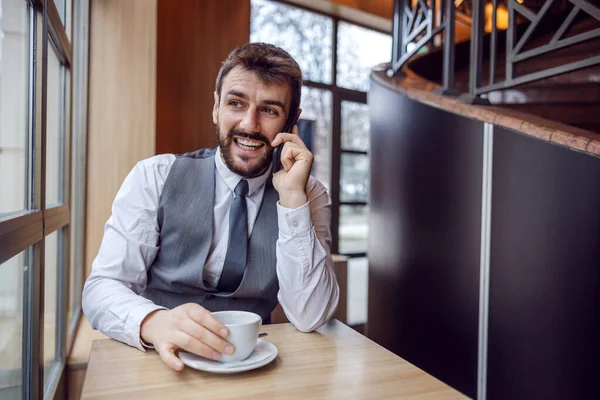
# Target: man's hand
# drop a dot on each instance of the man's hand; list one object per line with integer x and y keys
{"x": 296, "y": 162}
{"x": 189, "y": 327}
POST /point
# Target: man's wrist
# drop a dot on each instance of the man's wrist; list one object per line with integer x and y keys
{"x": 292, "y": 198}
{"x": 146, "y": 328}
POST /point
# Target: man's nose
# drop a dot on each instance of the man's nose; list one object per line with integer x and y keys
{"x": 250, "y": 123}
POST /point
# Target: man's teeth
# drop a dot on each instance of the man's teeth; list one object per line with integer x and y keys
{"x": 249, "y": 143}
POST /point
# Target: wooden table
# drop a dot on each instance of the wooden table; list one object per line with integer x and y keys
{"x": 333, "y": 363}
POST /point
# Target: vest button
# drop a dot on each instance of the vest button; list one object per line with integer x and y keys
{"x": 210, "y": 296}
{"x": 234, "y": 298}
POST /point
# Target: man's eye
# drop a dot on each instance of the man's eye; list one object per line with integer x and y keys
{"x": 235, "y": 103}
{"x": 270, "y": 111}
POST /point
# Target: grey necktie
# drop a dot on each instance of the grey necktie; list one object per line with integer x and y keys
{"x": 237, "y": 247}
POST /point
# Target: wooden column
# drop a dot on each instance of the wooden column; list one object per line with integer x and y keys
{"x": 194, "y": 38}
{"x": 121, "y": 125}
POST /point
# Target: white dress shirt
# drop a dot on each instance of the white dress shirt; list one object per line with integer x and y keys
{"x": 308, "y": 290}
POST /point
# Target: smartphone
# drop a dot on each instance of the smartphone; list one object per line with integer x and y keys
{"x": 277, "y": 151}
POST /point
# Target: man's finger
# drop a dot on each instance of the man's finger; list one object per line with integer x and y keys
{"x": 291, "y": 153}
{"x": 202, "y": 316}
{"x": 207, "y": 337}
{"x": 167, "y": 354}
{"x": 284, "y": 137}
{"x": 190, "y": 344}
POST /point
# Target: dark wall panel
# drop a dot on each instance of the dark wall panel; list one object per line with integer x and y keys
{"x": 424, "y": 238}
{"x": 544, "y": 272}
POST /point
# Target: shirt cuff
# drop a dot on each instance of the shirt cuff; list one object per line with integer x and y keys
{"x": 134, "y": 322}
{"x": 294, "y": 221}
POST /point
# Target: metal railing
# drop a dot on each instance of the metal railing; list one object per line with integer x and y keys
{"x": 417, "y": 23}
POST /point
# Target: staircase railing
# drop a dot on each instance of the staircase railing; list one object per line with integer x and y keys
{"x": 418, "y": 22}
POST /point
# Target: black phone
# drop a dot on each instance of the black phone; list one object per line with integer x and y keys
{"x": 277, "y": 150}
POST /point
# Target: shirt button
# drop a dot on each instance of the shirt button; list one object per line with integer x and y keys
{"x": 234, "y": 298}
{"x": 295, "y": 223}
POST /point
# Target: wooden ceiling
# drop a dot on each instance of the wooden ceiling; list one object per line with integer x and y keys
{"x": 376, "y": 14}
{"x": 380, "y": 8}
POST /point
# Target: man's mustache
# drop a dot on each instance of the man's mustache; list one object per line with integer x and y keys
{"x": 254, "y": 136}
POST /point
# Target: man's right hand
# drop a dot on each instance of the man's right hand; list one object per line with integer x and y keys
{"x": 189, "y": 327}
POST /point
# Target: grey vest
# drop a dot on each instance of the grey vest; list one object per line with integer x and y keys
{"x": 185, "y": 220}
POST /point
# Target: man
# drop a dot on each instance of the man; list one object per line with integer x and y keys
{"x": 215, "y": 230}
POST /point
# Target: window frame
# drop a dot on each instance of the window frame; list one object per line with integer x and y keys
{"x": 26, "y": 230}
{"x": 338, "y": 94}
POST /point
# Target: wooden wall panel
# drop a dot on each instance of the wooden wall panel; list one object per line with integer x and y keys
{"x": 122, "y": 93}
{"x": 194, "y": 38}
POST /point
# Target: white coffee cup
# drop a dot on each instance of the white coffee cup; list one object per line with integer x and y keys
{"x": 243, "y": 332}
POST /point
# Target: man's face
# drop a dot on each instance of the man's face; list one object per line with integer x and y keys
{"x": 248, "y": 115}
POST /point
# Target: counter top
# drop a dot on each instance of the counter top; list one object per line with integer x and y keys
{"x": 422, "y": 90}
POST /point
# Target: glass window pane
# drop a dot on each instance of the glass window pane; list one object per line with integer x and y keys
{"x": 359, "y": 50}
{"x": 75, "y": 281}
{"x": 358, "y": 290}
{"x": 65, "y": 11}
{"x": 11, "y": 326}
{"x": 52, "y": 256}
{"x": 14, "y": 138}
{"x": 303, "y": 34}
{"x": 74, "y": 294}
{"x": 316, "y": 106}
{"x": 60, "y": 6}
{"x": 353, "y": 229}
{"x": 68, "y": 17}
{"x": 354, "y": 177}
{"x": 54, "y": 132}
{"x": 356, "y": 126}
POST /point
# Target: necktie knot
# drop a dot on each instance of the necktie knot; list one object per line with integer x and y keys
{"x": 242, "y": 188}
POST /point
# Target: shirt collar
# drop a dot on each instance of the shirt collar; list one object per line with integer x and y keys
{"x": 232, "y": 179}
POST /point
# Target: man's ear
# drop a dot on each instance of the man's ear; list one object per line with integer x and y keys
{"x": 215, "y": 112}
{"x": 298, "y": 115}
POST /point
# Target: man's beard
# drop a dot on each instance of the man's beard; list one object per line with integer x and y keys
{"x": 248, "y": 168}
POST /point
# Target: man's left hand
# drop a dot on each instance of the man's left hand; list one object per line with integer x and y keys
{"x": 296, "y": 163}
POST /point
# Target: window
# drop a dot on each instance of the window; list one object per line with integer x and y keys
{"x": 14, "y": 85}
{"x": 353, "y": 229}
{"x": 36, "y": 276}
{"x": 316, "y": 106}
{"x": 52, "y": 255}
{"x": 54, "y": 132}
{"x": 355, "y": 126}
{"x": 12, "y": 272}
{"x": 359, "y": 50}
{"x": 354, "y": 181}
{"x": 333, "y": 97}
{"x": 307, "y": 36}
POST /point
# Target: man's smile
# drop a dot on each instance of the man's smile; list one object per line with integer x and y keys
{"x": 248, "y": 144}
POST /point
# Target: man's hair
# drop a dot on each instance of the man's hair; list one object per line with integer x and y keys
{"x": 271, "y": 64}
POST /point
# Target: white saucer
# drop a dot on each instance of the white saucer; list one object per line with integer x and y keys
{"x": 264, "y": 353}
